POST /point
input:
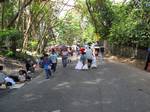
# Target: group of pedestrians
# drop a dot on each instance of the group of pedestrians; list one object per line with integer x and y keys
{"x": 49, "y": 63}
{"x": 87, "y": 59}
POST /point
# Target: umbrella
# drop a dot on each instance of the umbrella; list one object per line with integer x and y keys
{"x": 62, "y": 47}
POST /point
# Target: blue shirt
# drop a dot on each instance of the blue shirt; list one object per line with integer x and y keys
{"x": 148, "y": 49}
{"x": 46, "y": 63}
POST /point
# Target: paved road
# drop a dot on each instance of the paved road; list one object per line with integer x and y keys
{"x": 113, "y": 87}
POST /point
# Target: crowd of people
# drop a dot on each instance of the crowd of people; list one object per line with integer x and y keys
{"x": 48, "y": 62}
{"x": 88, "y": 58}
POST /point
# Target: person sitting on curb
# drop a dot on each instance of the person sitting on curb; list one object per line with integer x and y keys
{"x": 23, "y": 76}
{"x": 4, "y": 79}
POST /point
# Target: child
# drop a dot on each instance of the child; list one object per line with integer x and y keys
{"x": 23, "y": 76}
{"x": 47, "y": 63}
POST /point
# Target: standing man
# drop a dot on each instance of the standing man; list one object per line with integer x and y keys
{"x": 102, "y": 50}
{"x": 53, "y": 58}
{"x": 147, "y": 59}
{"x": 89, "y": 56}
{"x": 47, "y": 63}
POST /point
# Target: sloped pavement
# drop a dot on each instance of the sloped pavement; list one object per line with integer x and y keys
{"x": 112, "y": 87}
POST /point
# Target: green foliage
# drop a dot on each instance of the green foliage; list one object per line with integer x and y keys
{"x": 125, "y": 24}
{"x": 101, "y": 16}
{"x": 130, "y": 26}
{"x": 88, "y": 34}
{"x": 10, "y": 54}
{"x": 7, "y": 53}
{"x": 9, "y": 38}
{"x": 146, "y": 5}
{"x": 69, "y": 30}
{"x": 11, "y": 34}
{"x": 32, "y": 45}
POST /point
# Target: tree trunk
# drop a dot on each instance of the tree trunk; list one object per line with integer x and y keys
{"x": 26, "y": 36}
{"x": 13, "y": 45}
{"x": 39, "y": 45}
{"x": 91, "y": 14}
{"x": 19, "y": 12}
{"x": 106, "y": 46}
{"x": 42, "y": 43}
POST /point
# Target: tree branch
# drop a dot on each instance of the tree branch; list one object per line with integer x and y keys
{"x": 19, "y": 12}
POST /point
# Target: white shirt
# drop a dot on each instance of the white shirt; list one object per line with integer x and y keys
{"x": 89, "y": 54}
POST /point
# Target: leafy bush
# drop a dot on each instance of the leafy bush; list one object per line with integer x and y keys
{"x": 8, "y": 35}
{"x": 131, "y": 25}
{"x": 10, "y": 54}
{"x": 32, "y": 45}
{"x": 7, "y": 53}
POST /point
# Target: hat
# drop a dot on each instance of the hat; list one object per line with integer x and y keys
{"x": 82, "y": 49}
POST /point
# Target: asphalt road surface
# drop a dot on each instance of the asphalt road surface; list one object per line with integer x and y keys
{"x": 112, "y": 87}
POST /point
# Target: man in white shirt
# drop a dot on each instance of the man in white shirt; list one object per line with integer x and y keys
{"x": 53, "y": 58}
{"x": 89, "y": 56}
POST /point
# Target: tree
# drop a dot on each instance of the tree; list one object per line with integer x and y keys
{"x": 101, "y": 15}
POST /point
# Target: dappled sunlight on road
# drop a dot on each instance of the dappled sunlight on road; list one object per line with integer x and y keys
{"x": 31, "y": 97}
{"x": 97, "y": 81}
{"x": 62, "y": 85}
{"x": 84, "y": 102}
{"x": 68, "y": 85}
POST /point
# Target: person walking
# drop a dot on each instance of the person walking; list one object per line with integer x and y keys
{"x": 53, "y": 58}
{"x": 70, "y": 53}
{"x": 64, "y": 55}
{"x": 47, "y": 63}
{"x": 102, "y": 50}
{"x": 147, "y": 60}
{"x": 83, "y": 58}
{"x": 89, "y": 56}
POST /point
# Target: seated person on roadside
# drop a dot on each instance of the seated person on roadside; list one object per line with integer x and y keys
{"x": 23, "y": 76}
{"x": 4, "y": 79}
{"x": 30, "y": 65}
{"x": 2, "y": 75}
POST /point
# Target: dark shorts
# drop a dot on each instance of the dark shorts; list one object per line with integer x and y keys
{"x": 89, "y": 61}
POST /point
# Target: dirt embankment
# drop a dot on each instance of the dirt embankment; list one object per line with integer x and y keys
{"x": 11, "y": 66}
{"x": 134, "y": 62}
